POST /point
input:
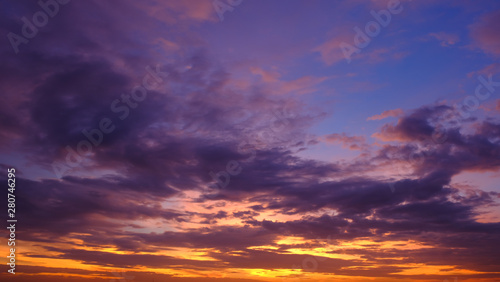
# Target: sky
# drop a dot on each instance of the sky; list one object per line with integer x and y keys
{"x": 250, "y": 140}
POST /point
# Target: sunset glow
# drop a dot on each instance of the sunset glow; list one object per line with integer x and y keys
{"x": 250, "y": 140}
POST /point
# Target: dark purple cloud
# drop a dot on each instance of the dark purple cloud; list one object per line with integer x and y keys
{"x": 165, "y": 177}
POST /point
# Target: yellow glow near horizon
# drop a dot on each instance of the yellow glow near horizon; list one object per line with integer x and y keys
{"x": 422, "y": 269}
{"x": 317, "y": 248}
{"x": 322, "y": 252}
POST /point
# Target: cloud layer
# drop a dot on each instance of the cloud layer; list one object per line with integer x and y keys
{"x": 214, "y": 173}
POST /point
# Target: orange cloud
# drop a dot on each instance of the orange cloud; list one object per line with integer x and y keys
{"x": 350, "y": 142}
{"x": 175, "y": 11}
{"x": 302, "y": 85}
{"x": 330, "y": 51}
{"x": 386, "y": 114}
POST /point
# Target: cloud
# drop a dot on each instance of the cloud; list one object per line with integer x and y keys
{"x": 386, "y": 114}
{"x": 484, "y": 33}
{"x": 353, "y": 142}
{"x": 274, "y": 83}
{"x": 145, "y": 198}
{"x": 337, "y": 200}
{"x": 420, "y": 125}
{"x": 445, "y": 39}
{"x": 330, "y": 50}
